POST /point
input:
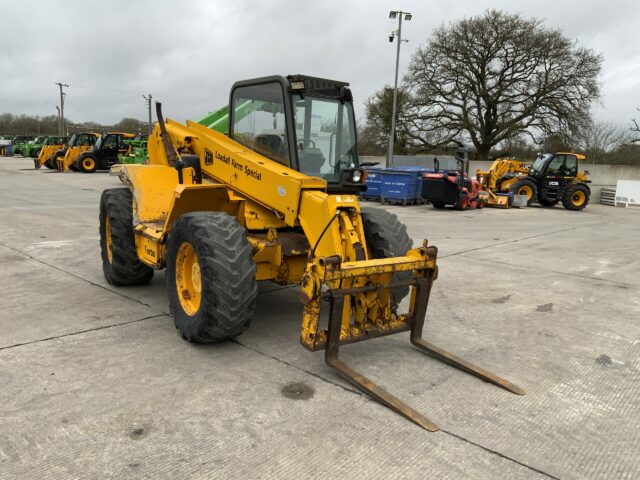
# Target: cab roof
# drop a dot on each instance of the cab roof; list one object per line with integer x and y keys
{"x": 579, "y": 156}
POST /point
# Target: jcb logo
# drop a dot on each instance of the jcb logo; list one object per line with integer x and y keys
{"x": 208, "y": 157}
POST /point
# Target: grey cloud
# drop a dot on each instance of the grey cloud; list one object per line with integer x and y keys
{"x": 187, "y": 54}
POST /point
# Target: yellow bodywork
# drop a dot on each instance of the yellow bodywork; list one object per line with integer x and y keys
{"x": 46, "y": 152}
{"x": 286, "y": 215}
{"x": 71, "y": 155}
{"x": 500, "y": 168}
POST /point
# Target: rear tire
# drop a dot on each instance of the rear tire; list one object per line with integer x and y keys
{"x": 226, "y": 286}
{"x": 527, "y": 187}
{"x": 387, "y": 237}
{"x": 438, "y": 205}
{"x": 576, "y": 197}
{"x": 462, "y": 203}
{"x": 120, "y": 262}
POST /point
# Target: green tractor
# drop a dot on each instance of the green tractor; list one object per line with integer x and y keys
{"x": 19, "y": 143}
{"x": 136, "y": 153}
{"x": 32, "y": 149}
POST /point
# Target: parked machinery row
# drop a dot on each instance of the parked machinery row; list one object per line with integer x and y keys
{"x": 551, "y": 179}
{"x": 82, "y": 152}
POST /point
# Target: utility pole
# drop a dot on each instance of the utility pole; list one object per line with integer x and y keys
{"x": 148, "y": 102}
{"x": 62, "y": 95}
{"x": 398, "y": 33}
{"x": 59, "y": 122}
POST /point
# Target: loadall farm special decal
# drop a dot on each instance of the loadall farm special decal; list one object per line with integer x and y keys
{"x": 249, "y": 172}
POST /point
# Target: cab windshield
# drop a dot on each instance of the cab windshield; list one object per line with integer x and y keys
{"x": 72, "y": 140}
{"x": 98, "y": 143}
{"x": 325, "y": 136}
{"x": 538, "y": 165}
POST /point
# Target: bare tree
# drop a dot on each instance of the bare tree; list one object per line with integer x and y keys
{"x": 498, "y": 76}
{"x": 635, "y": 129}
{"x": 379, "y": 111}
{"x": 602, "y": 138}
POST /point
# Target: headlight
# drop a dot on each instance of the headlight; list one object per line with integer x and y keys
{"x": 356, "y": 176}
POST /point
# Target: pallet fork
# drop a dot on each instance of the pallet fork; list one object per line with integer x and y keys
{"x": 338, "y": 334}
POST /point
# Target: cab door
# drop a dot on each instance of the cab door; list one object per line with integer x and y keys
{"x": 570, "y": 170}
{"x": 553, "y": 179}
{"x": 123, "y": 148}
{"x": 109, "y": 150}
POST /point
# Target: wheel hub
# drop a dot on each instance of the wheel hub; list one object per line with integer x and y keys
{"x": 188, "y": 279}
{"x": 107, "y": 236}
{"x": 526, "y": 190}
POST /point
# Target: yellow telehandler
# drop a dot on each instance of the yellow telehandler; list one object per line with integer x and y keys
{"x": 552, "y": 178}
{"x": 275, "y": 199}
{"x": 78, "y": 143}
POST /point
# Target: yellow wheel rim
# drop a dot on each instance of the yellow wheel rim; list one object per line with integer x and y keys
{"x": 107, "y": 236}
{"x": 578, "y": 198}
{"x": 88, "y": 163}
{"x": 188, "y": 279}
{"x": 526, "y": 190}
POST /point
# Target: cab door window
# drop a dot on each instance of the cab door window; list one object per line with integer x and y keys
{"x": 110, "y": 142}
{"x": 556, "y": 165}
{"x": 259, "y": 121}
{"x": 570, "y": 166}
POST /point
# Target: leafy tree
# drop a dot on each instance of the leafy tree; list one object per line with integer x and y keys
{"x": 498, "y": 76}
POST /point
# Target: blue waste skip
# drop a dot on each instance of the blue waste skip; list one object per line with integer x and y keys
{"x": 373, "y": 181}
{"x": 401, "y": 185}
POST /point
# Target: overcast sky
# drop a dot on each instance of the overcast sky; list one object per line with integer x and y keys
{"x": 188, "y": 54}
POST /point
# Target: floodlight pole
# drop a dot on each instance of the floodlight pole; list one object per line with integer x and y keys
{"x": 392, "y": 134}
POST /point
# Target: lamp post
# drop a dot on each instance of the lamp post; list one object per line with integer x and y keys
{"x": 398, "y": 33}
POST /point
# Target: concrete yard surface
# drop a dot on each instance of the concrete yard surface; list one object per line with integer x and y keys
{"x": 96, "y": 383}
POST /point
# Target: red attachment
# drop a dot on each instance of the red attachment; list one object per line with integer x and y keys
{"x": 467, "y": 198}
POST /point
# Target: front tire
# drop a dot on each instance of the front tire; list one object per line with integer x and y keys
{"x": 52, "y": 163}
{"x": 387, "y": 237}
{"x": 576, "y": 197}
{"x": 527, "y": 187}
{"x": 86, "y": 164}
{"x": 211, "y": 277}
{"x": 120, "y": 262}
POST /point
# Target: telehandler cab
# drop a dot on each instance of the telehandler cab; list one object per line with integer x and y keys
{"x": 276, "y": 200}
